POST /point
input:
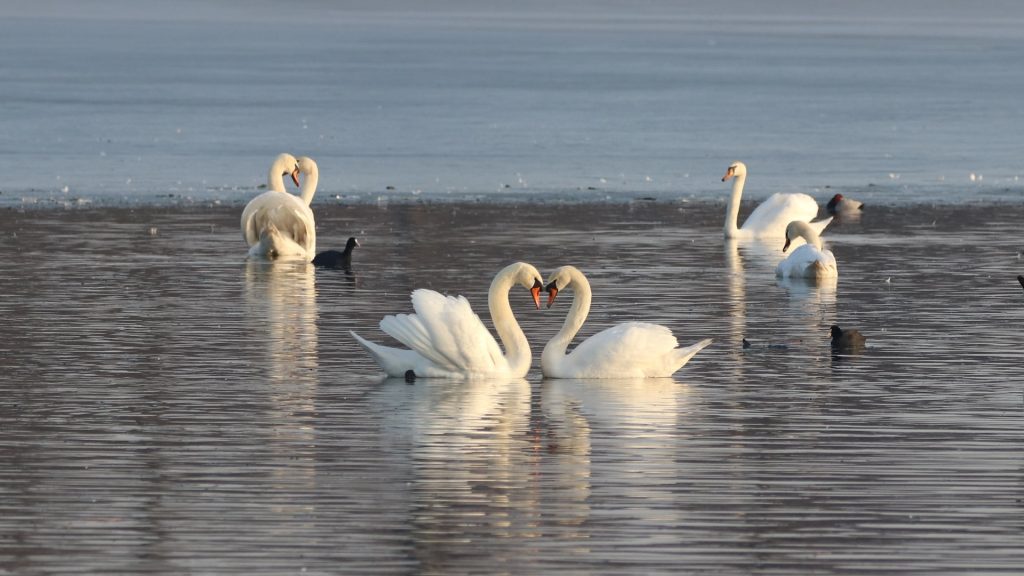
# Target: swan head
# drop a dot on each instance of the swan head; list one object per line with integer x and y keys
{"x": 524, "y": 275}
{"x": 796, "y": 229}
{"x": 735, "y": 170}
{"x": 306, "y": 165}
{"x": 286, "y": 164}
{"x": 559, "y": 280}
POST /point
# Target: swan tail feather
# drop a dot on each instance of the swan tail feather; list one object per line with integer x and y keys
{"x": 410, "y": 330}
{"x": 393, "y": 361}
{"x": 683, "y": 355}
{"x": 820, "y": 225}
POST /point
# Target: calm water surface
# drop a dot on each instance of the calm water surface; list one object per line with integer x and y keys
{"x": 168, "y": 407}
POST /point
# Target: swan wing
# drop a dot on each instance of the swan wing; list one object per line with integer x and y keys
{"x": 253, "y": 220}
{"x": 772, "y": 216}
{"x": 628, "y": 349}
{"x": 446, "y": 331}
{"x": 288, "y": 214}
{"x": 808, "y": 262}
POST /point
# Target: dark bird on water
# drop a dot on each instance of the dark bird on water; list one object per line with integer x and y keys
{"x": 1021, "y": 280}
{"x": 335, "y": 259}
{"x": 846, "y": 340}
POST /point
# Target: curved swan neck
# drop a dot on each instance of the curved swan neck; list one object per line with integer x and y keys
{"x": 309, "y": 185}
{"x": 517, "y": 349}
{"x": 275, "y": 180}
{"x": 732, "y": 212}
{"x": 578, "y": 312}
{"x": 810, "y": 236}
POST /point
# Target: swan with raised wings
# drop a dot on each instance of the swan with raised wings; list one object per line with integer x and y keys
{"x": 447, "y": 340}
{"x": 808, "y": 261}
{"x": 277, "y": 224}
{"x": 628, "y": 350}
{"x": 770, "y": 218}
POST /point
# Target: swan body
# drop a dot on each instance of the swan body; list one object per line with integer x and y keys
{"x": 447, "y": 340}
{"x": 628, "y": 350}
{"x": 277, "y": 224}
{"x": 840, "y": 205}
{"x": 808, "y": 261}
{"x": 770, "y": 218}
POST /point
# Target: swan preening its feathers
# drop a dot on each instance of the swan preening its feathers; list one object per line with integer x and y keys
{"x": 447, "y": 340}
{"x": 811, "y": 260}
{"x": 770, "y": 218}
{"x": 628, "y": 350}
{"x": 277, "y": 224}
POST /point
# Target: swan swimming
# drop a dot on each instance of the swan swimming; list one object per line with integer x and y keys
{"x": 277, "y": 224}
{"x": 770, "y": 218}
{"x": 447, "y": 340}
{"x": 628, "y": 350}
{"x": 808, "y": 261}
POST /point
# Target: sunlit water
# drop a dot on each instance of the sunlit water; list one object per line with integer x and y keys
{"x": 168, "y": 407}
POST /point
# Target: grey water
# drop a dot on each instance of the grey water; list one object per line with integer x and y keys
{"x": 168, "y": 407}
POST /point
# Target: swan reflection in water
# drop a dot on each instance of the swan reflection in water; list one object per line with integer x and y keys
{"x": 280, "y": 300}
{"x": 473, "y": 468}
{"x": 613, "y": 432}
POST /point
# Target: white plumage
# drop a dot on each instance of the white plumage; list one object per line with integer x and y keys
{"x": 446, "y": 339}
{"x": 808, "y": 261}
{"x": 770, "y": 218}
{"x": 277, "y": 224}
{"x": 628, "y": 350}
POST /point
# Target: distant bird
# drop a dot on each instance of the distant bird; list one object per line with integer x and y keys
{"x": 846, "y": 340}
{"x": 840, "y": 205}
{"x": 1021, "y": 280}
{"x": 335, "y": 259}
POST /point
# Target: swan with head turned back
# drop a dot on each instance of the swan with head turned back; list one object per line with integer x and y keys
{"x": 277, "y": 224}
{"x": 628, "y": 350}
{"x": 447, "y": 340}
{"x": 808, "y": 261}
{"x": 770, "y": 218}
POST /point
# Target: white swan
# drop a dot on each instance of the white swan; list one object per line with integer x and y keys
{"x": 448, "y": 340}
{"x": 628, "y": 350}
{"x": 809, "y": 260}
{"x": 770, "y": 218}
{"x": 277, "y": 224}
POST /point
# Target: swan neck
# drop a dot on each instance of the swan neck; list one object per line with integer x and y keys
{"x": 275, "y": 180}
{"x": 811, "y": 237}
{"x": 308, "y": 188}
{"x": 578, "y": 312}
{"x": 517, "y": 349}
{"x": 732, "y": 212}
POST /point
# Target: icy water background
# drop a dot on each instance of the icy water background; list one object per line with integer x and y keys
{"x": 146, "y": 102}
{"x": 168, "y": 407}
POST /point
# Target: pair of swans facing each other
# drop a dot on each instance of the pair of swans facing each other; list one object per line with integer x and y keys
{"x": 447, "y": 340}
{"x": 277, "y": 224}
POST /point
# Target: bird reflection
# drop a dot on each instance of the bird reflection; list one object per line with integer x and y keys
{"x": 473, "y": 469}
{"x": 281, "y": 301}
{"x": 618, "y": 432}
{"x": 762, "y": 258}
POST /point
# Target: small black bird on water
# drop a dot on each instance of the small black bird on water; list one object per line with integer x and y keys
{"x": 846, "y": 340}
{"x": 335, "y": 259}
{"x": 1021, "y": 280}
